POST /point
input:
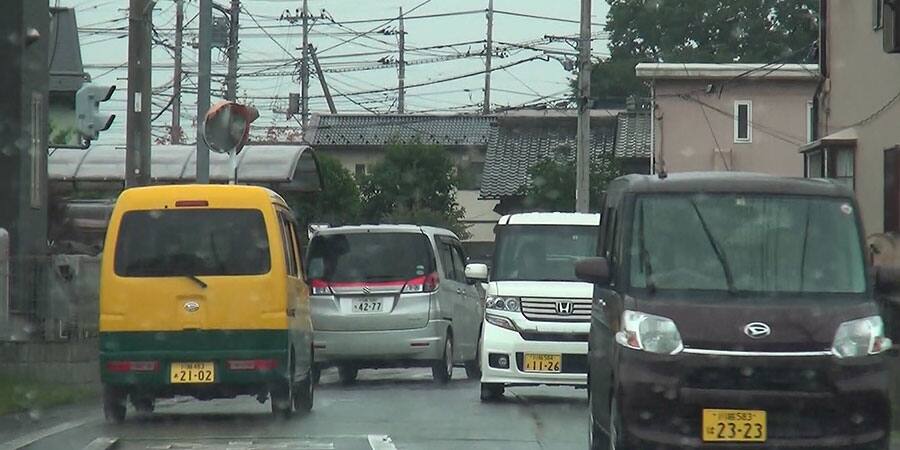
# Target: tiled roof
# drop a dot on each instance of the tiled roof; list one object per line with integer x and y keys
{"x": 633, "y": 135}
{"x": 380, "y": 130}
{"x": 518, "y": 144}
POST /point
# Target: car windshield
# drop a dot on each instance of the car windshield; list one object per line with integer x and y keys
{"x": 192, "y": 242}
{"x": 755, "y": 243}
{"x": 358, "y": 257}
{"x": 542, "y": 252}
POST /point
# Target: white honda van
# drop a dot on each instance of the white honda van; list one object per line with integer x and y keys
{"x": 537, "y": 313}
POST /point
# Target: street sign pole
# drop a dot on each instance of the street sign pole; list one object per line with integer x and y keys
{"x": 203, "y": 86}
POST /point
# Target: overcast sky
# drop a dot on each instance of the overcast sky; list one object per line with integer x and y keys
{"x": 268, "y": 46}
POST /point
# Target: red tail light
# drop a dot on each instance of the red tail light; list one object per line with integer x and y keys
{"x": 253, "y": 364}
{"x": 319, "y": 287}
{"x": 191, "y": 203}
{"x": 425, "y": 283}
{"x": 132, "y": 366}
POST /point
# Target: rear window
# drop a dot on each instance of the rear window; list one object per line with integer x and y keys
{"x": 163, "y": 243}
{"x": 369, "y": 257}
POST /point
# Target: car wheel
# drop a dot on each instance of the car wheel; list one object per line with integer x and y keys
{"x": 442, "y": 369}
{"x": 316, "y": 373}
{"x": 597, "y": 438}
{"x": 473, "y": 368}
{"x": 114, "y": 404}
{"x": 491, "y": 391}
{"x": 347, "y": 374}
{"x": 282, "y": 396}
{"x": 305, "y": 392}
{"x": 615, "y": 440}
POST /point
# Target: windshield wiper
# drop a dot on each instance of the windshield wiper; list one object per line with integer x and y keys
{"x": 645, "y": 256}
{"x": 197, "y": 280}
{"x": 720, "y": 254}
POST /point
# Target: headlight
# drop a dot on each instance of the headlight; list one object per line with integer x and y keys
{"x": 649, "y": 333}
{"x": 860, "y": 337}
{"x": 502, "y": 303}
{"x": 500, "y": 321}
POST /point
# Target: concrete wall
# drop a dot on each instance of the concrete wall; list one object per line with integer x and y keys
{"x": 862, "y": 80}
{"x": 71, "y": 363}
{"x": 779, "y": 125}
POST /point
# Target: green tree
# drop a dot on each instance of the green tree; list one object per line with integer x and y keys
{"x": 708, "y": 31}
{"x": 414, "y": 184}
{"x": 551, "y": 185}
{"x": 339, "y": 201}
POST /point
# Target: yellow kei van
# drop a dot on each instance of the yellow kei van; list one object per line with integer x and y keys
{"x": 202, "y": 294}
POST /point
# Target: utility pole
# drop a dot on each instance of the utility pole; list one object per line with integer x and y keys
{"x": 137, "y": 138}
{"x": 175, "y": 132}
{"x": 325, "y": 90}
{"x": 583, "y": 138}
{"x": 304, "y": 70}
{"x": 232, "y": 53}
{"x": 488, "y": 53}
{"x": 203, "y": 80}
{"x": 401, "y": 100}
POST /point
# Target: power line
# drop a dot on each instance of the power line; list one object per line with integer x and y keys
{"x": 532, "y": 16}
{"x": 386, "y": 23}
{"x": 286, "y": 51}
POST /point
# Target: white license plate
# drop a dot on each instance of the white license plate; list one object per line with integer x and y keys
{"x": 368, "y": 305}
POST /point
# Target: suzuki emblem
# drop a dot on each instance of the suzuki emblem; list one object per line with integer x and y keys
{"x": 366, "y": 290}
{"x": 757, "y": 330}
{"x": 191, "y": 306}
{"x": 564, "y": 308}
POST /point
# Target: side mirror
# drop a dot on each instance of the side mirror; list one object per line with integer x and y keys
{"x": 476, "y": 272}
{"x": 593, "y": 270}
{"x": 887, "y": 278}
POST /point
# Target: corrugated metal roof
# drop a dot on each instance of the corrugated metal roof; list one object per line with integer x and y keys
{"x": 515, "y": 147}
{"x": 633, "y": 135}
{"x": 381, "y": 130}
{"x": 289, "y": 167}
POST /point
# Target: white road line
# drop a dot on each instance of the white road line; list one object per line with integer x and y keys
{"x": 102, "y": 443}
{"x": 381, "y": 442}
{"x": 35, "y": 436}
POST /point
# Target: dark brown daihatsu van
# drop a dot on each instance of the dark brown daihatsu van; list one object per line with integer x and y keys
{"x": 734, "y": 311}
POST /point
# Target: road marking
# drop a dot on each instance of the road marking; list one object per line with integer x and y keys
{"x": 102, "y": 443}
{"x": 35, "y": 436}
{"x": 381, "y": 442}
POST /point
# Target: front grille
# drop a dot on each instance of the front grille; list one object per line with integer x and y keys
{"x": 548, "y": 310}
{"x": 554, "y": 337}
{"x": 759, "y": 378}
{"x": 571, "y": 363}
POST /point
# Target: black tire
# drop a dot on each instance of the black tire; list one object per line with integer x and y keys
{"x": 304, "y": 394}
{"x": 473, "y": 368}
{"x": 442, "y": 369}
{"x": 615, "y": 424}
{"x": 316, "y": 373}
{"x": 347, "y": 374}
{"x": 114, "y": 403}
{"x": 281, "y": 395}
{"x": 143, "y": 405}
{"x": 491, "y": 392}
{"x": 597, "y": 438}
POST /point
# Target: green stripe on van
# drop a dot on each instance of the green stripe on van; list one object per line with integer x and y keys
{"x": 193, "y": 341}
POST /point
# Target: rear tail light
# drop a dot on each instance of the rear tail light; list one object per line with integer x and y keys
{"x": 425, "y": 283}
{"x": 191, "y": 203}
{"x": 319, "y": 287}
{"x": 132, "y": 366}
{"x": 253, "y": 364}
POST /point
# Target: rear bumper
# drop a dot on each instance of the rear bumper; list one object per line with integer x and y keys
{"x": 510, "y": 343}
{"x": 217, "y": 347}
{"x": 811, "y": 402}
{"x": 412, "y": 347}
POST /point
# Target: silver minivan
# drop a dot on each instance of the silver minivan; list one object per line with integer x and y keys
{"x": 393, "y": 296}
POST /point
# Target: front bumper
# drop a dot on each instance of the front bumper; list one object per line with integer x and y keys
{"x": 382, "y": 348}
{"x": 811, "y": 402}
{"x": 511, "y": 343}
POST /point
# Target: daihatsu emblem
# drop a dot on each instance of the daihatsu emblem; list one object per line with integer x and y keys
{"x": 757, "y": 330}
{"x": 191, "y": 306}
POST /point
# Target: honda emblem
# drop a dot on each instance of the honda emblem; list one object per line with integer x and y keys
{"x": 565, "y": 308}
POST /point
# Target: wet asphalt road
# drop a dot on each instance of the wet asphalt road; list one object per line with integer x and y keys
{"x": 384, "y": 410}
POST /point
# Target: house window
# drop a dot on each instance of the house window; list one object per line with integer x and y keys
{"x": 743, "y": 117}
{"x": 360, "y": 170}
{"x": 810, "y": 121}
{"x": 877, "y": 14}
{"x": 836, "y": 163}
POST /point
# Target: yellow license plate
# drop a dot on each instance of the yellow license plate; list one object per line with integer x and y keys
{"x": 734, "y": 425}
{"x": 192, "y": 372}
{"x": 539, "y": 362}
